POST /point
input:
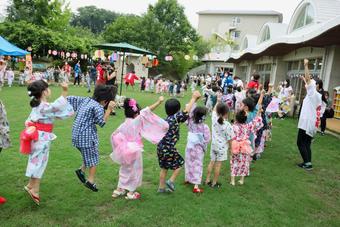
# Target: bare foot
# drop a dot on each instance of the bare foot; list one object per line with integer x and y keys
{"x": 232, "y": 183}
{"x": 240, "y": 182}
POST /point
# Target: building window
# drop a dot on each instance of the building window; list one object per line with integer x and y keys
{"x": 305, "y": 17}
{"x": 264, "y": 70}
{"x": 245, "y": 44}
{"x": 235, "y": 34}
{"x": 265, "y": 35}
{"x": 235, "y": 21}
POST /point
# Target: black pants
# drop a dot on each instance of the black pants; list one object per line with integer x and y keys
{"x": 77, "y": 79}
{"x": 323, "y": 123}
{"x": 304, "y": 142}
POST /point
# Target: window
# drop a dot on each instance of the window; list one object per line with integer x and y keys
{"x": 264, "y": 70}
{"x": 305, "y": 17}
{"x": 235, "y": 34}
{"x": 265, "y": 35}
{"x": 235, "y": 21}
{"x": 245, "y": 44}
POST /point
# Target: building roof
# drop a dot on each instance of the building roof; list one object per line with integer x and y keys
{"x": 241, "y": 12}
{"x": 323, "y": 31}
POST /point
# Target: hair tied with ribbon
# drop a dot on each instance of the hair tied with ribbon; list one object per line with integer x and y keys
{"x": 133, "y": 105}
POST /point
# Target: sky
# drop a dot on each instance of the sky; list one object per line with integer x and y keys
{"x": 286, "y": 7}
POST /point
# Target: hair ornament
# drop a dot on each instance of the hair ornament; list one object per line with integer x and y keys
{"x": 133, "y": 105}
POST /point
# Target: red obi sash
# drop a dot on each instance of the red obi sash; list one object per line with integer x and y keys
{"x": 30, "y": 134}
{"x": 242, "y": 146}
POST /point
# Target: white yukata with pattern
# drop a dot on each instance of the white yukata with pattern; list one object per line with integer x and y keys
{"x": 45, "y": 113}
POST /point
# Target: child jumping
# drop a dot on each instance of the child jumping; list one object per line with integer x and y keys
{"x": 127, "y": 145}
{"x": 89, "y": 113}
{"x": 168, "y": 156}
{"x": 198, "y": 139}
{"x": 222, "y": 133}
{"x": 36, "y": 139}
{"x": 241, "y": 147}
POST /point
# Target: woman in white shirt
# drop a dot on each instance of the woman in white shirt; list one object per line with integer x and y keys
{"x": 309, "y": 120}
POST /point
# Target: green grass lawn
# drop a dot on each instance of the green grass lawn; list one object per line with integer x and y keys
{"x": 276, "y": 194}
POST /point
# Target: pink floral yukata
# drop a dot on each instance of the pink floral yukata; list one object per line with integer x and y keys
{"x": 127, "y": 146}
{"x": 198, "y": 139}
{"x": 45, "y": 113}
{"x": 241, "y": 149}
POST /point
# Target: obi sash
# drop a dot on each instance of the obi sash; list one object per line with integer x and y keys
{"x": 30, "y": 134}
{"x": 242, "y": 146}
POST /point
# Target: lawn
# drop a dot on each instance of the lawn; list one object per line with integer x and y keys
{"x": 276, "y": 194}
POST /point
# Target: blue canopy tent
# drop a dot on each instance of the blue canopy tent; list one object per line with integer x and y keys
{"x": 6, "y": 48}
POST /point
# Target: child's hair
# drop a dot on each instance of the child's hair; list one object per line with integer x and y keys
{"x": 241, "y": 117}
{"x": 230, "y": 89}
{"x": 35, "y": 90}
{"x": 172, "y": 106}
{"x": 104, "y": 93}
{"x": 131, "y": 108}
{"x": 221, "y": 110}
{"x": 199, "y": 114}
{"x": 215, "y": 88}
{"x": 256, "y": 76}
{"x": 251, "y": 92}
{"x": 249, "y": 102}
{"x": 239, "y": 89}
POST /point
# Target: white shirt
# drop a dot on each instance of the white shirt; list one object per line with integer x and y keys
{"x": 221, "y": 134}
{"x": 310, "y": 104}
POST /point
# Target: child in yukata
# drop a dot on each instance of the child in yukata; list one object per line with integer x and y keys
{"x": 168, "y": 156}
{"x": 36, "y": 139}
{"x": 222, "y": 133}
{"x": 127, "y": 145}
{"x": 4, "y": 135}
{"x": 10, "y": 77}
{"x": 89, "y": 113}
{"x": 198, "y": 139}
{"x": 241, "y": 148}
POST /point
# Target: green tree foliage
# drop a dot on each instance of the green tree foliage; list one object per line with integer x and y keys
{"x": 93, "y": 18}
{"x": 54, "y": 14}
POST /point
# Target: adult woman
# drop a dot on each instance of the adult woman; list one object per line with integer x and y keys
{"x": 325, "y": 111}
{"x": 308, "y": 121}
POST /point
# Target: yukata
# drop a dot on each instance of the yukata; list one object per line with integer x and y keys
{"x": 221, "y": 134}
{"x": 127, "y": 146}
{"x": 152, "y": 85}
{"x": 241, "y": 149}
{"x": 168, "y": 156}
{"x": 159, "y": 86}
{"x": 239, "y": 96}
{"x": 261, "y": 133}
{"x": 4, "y": 128}
{"x": 89, "y": 113}
{"x": 45, "y": 113}
{"x": 212, "y": 99}
{"x": 250, "y": 117}
{"x": 147, "y": 85}
{"x": 10, "y": 77}
{"x": 198, "y": 139}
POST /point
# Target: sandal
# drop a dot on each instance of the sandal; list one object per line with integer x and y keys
{"x": 118, "y": 193}
{"x": 35, "y": 199}
{"x": 164, "y": 190}
{"x": 207, "y": 183}
{"x": 133, "y": 196}
{"x": 197, "y": 190}
{"x": 240, "y": 182}
{"x": 217, "y": 185}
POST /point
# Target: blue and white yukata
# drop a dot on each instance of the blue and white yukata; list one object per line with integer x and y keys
{"x": 89, "y": 113}
{"x": 45, "y": 113}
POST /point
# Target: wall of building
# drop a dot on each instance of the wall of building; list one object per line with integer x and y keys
{"x": 334, "y": 79}
{"x": 134, "y": 64}
{"x": 249, "y": 24}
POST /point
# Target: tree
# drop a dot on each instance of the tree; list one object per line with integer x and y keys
{"x": 93, "y": 18}
{"x": 54, "y": 14}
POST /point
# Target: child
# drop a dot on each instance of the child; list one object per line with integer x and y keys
{"x": 127, "y": 145}
{"x": 90, "y": 112}
{"x": 212, "y": 97}
{"x": 152, "y": 85}
{"x": 88, "y": 82}
{"x": 10, "y": 77}
{"x": 198, "y": 139}
{"x": 168, "y": 156}
{"x": 36, "y": 138}
{"x": 241, "y": 149}
{"x": 239, "y": 96}
{"x": 193, "y": 86}
{"x": 4, "y": 135}
{"x": 222, "y": 134}
{"x": 147, "y": 84}
{"x": 228, "y": 99}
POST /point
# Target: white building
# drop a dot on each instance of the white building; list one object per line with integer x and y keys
{"x": 229, "y": 25}
{"x": 278, "y": 50}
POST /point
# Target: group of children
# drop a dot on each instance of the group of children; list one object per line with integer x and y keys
{"x": 172, "y": 88}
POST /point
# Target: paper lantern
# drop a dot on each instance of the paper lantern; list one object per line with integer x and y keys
{"x": 74, "y": 55}
{"x": 187, "y": 57}
{"x": 195, "y": 58}
{"x": 49, "y": 52}
{"x": 68, "y": 54}
{"x": 169, "y": 58}
{"x": 54, "y": 52}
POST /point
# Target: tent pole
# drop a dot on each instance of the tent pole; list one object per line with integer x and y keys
{"x": 121, "y": 77}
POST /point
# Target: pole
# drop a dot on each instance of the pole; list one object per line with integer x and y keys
{"x": 121, "y": 77}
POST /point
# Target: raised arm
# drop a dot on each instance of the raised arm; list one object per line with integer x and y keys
{"x": 307, "y": 78}
{"x": 259, "y": 103}
{"x": 156, "y": 104}
{"x": 195, "y": 96}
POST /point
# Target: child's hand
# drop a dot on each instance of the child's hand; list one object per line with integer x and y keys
{"x": 161, "y": 99}
{"x": 196, "y": 95}
{"x": 111, "y": 105}
{"x": 305, "y": 62}
{"x": 64, "y": 86}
